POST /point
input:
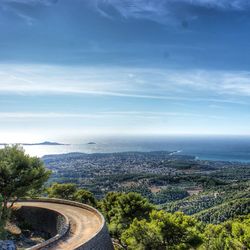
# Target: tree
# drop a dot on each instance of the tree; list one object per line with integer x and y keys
{"x": 84, "y": 196}
{"x": 62, "y": 191}
{"x": 69, "y": 191}
{"x": 108, "y": 203}
{"x": 163, "y": 231}
{"x": 142, "y": 235}
{"x": 20, "y": 175}
{"x": 120, "y": 209}
{"x": 228, "y": 235}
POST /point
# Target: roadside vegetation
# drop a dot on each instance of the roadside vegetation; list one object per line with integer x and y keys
{"x": 135, "y": 223}
{"x": 69, "y": 191}
{"x": 20, "y": 176}
{"x": 215, "y": 217}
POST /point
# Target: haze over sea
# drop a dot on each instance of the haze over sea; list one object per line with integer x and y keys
{"x": 233, "y": 148}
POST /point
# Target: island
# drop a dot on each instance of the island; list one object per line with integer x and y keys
{"x": 91, "y": 143}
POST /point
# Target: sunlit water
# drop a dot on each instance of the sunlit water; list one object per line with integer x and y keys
{"x": 213, "y": 148}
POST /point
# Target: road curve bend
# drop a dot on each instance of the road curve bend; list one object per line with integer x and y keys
{"x": 85, "y": 223}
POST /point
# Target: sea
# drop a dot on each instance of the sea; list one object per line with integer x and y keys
{"x": 219, "y": 148}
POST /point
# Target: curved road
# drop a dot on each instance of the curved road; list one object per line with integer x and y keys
{"x": 84, "y": 224}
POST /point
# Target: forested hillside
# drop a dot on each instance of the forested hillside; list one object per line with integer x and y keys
{"x": 161, "y": 201}
{"x": 135, "y": 223}
{"x": 151, "y": 201}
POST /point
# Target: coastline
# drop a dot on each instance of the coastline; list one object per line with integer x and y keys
{"x": 210, "y": 150}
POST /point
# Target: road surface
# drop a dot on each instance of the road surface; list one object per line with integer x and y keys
{"x": 84, "y": 224}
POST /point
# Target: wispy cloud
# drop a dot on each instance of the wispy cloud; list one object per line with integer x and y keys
{"x": 6, "y": 116}
{"x": 30, "y": 2}
{"x": 217, "y": 4}
{"x": 16, "y": 8}
{"x": 161, "y": 11}
{"x": 162, "y": 84}
{"x": 166, "y": 11}
{"x": 150, "y": 6}
{"x": 159, "y": 114}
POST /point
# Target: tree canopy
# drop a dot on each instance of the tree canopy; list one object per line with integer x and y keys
{"x": 20, "y": 175}
{"x": 163, "y": 231}
{"x": 234, "y": 234}
{"x": 84, "y": 196}
{"x": 120, "y": 209}
{"x": 62, "y": 191}
{"x": 69, "y": 191}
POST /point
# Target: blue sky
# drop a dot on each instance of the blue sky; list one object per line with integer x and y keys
{"x": 70, "y": 69}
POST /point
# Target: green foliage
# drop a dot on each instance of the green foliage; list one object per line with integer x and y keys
{"x": 142, "y": 235}
{"x": 157, "y": 229}
{"x": 226, "y": 211}
{"x": 20, "y": 175}
{"x": 168, "y": 195}
{"x": 84, "y": 196}
{"x": 107, "y": 205}
{"x": 62, "y": 191}
{"x": 165, "y": 195}
{"x": 163, "y": 231}
{"x": 223, "y": 193}
{"x": 231, "y": 235}
{"x": 69, "y": 191}
{"x": 120, "y": 209}
{"x": 2, "y": 231}
{"x": 217, "y": 204}
{"x": 141, "y": 189}
{"x": 194, "y": 204}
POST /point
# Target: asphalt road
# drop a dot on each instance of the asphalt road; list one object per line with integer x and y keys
{"x": 84, "y": 224}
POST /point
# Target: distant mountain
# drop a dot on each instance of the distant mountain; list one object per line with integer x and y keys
{"x": 45, "y": 143}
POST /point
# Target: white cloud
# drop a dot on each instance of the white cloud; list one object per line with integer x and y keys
{"x": 161, "y": 11}
{"x": 25, "y": 116}
{"x": 218, "y": 4}
{"x": 16, "y": 7}
{"x": 29, "y": 2}
{"x": 50, "y": 115}
{"x": 179, "y": 85}
{"x": 165, "y": 11}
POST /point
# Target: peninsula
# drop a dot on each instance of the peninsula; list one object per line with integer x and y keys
{"x": 45, "y": 143}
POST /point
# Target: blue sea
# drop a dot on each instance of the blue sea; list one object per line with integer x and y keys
{"x": 233, "y": 148}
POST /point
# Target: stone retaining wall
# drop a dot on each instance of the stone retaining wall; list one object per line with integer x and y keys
{"x": 100, "y": 241}
{"x": 46, "y": 220}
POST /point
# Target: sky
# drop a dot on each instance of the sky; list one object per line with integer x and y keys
{"x": 76, "y": 68}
